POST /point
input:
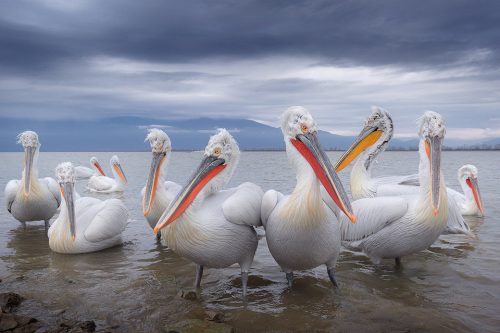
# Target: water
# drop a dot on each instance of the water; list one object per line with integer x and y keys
{"x": 453, "y": 287}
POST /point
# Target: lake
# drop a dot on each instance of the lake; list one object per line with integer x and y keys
{"x": 452, "y": 287}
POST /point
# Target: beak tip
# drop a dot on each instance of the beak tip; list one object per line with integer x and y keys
{"x": 73, "y": 237}
{"x": 435, "y": 211}
{"x": 353, "y": 218}
{"x": 156, "y": 230}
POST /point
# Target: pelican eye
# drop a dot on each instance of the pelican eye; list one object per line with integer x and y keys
{"x": 304, "y": 129}
{"x": 217, "y": 151}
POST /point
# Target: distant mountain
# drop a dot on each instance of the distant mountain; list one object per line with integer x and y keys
{"x": 128, "y": 133}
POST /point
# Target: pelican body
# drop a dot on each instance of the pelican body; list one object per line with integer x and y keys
{"x": 209, "y": 226}
{"x": 82, "y": 172}
{"x": 31, "y": 198}
{"x": 373, "y": 140}
{"x": 157, "y": 194}
{"x": 470, "y": 201}
{"x": 85, "y": 224}
{"x": 393, "y": 227}
{"x": 103, "y": 184}
{"x": 302, "y": 232}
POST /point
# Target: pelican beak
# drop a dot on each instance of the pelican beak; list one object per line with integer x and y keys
{"x": 120, "y": 173}
{"x": 29, "y": 155}
{"x": 308, "y": 145}
{"x": 99, "y": 168}
{"x": 210, "y": 167}
{"x": 152, "y": 183}
{"x": 67, "y": 191}
{"x": 474, "y": 186}
{"x": 368, "y": 136}
{"x": 433, "y": 150}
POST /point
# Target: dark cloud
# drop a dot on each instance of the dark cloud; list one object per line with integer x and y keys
{"x": 36, "y": 35}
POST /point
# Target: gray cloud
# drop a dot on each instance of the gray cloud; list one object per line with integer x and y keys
{"x": 252, "y": 59}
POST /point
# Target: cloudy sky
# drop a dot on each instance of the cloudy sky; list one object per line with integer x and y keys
{"x": 252, "y": 59}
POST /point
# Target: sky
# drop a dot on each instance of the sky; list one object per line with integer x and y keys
{"x": 95, "y": 60}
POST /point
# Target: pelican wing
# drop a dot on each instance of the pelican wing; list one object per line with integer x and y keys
{"x": 456, "y": 223}
{"x": 269, "y": 202}
{"x": 53, "y": 188}
{"x": 100, "y": 183}
{"x": 10, "y": 193}
{"x": 411, "y": 180}
{"x": 243, "y": 206}
{"x": 373, "y": 214}
{"x": 83, "y": 172}
{"x": 109, "y": 222}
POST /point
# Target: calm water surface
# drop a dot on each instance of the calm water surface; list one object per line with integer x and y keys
{"x": 452, "y": 287}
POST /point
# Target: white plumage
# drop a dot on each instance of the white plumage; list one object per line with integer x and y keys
{"x": 302, "y": 232}
{"x": 392, "y": 227}
{"x": 85, "y": 224}
{"x": 157, "y": 194}
{"x": 210, "y": 226}
{"x": 31, "y": 198}
{"x": 103, "y": 184}
{"x": 363, "y": 185}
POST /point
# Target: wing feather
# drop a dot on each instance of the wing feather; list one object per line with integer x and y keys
{"x": 373, "y": 214}
{"x": 53, "y": 188}
{"x": 109, "y": 222}
{"x": 10, "y": 193}
{"x": 243, "y": 207}
{"x": 269, "y": 202}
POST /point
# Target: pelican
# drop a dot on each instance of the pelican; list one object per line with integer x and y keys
{"x": 372, "y": 141}
{"x": 103, "y": 184}
{"x": 31, "y": 198}
{"x": 85, "y": 224}
{"x": 157, "y": 194}
{"x": 470, "y": 202}
{"x": 302, "y": 232}
{"x": 83, "y": 172}
{"x": 214, "y": 227}
{"x": 393, "y": 227}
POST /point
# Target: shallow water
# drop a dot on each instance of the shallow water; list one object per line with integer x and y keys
{"x": 452, "y": 287}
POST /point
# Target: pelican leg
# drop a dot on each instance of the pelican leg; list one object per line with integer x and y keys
{"x": 158, "y": 237}
{"x": 398, "y": 262}
{"x": 24, "y": 225}
{"x": 199, "y": 274}
{"x": 47, "y": 225}
{"x": 244, "y": 282}
{"x": 289, "y": 278}
{"x": 331, "y": 275}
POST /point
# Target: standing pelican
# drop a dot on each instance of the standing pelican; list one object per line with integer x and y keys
{"x": 103, "y": 184}
{"x": 372, "y": 141}
{"x": 302, "y": 232}
{"x": 83, "y": 172}
{"x": 392, "y": 227}
{"x": 470, "y": 202}
{"x": 157, "y": 194}
{"x": 85, "y": 224}
{"x": 31, "y": 198}
{"x": 214, "y": 227}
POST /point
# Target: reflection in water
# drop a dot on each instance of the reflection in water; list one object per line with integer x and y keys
{"x": 135, "y": 285}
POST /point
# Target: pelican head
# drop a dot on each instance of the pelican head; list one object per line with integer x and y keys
{"x": 117, "y": 168}
{"x": 468, "y": 174}
{"x": 219, "y": 161}
{"x": 97, "y": 167}
{"x": 66, "y": 177}
{"x": 161, "y": 148}
{"x": 379, "y": 123}
{"x": 29, "y": 140}
{"x": 300, "y": 130}
{"x": 432, "y": 131}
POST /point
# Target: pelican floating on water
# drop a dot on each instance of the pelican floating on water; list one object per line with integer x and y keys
{"x": 392, "y": 227}
{"x": 157, "y": 194}
{"x": 31, "y": 198}
{"x": 372, "y": 141}
{"x": 302, "y": 232}
{"x": 209, "y": 226}
{"x": 103, "y": 184}
{"x": 82, "y": 172}
{"x": 470, "y": 201}
{"x": 85, "y": 224}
